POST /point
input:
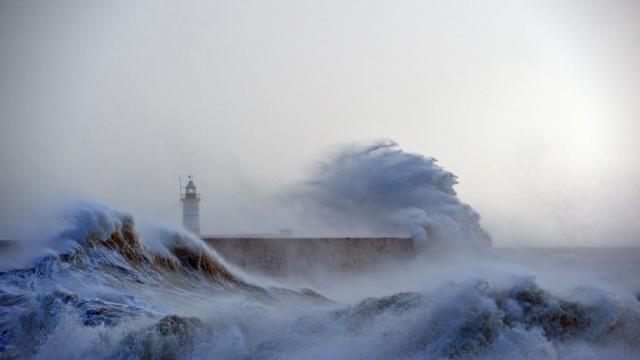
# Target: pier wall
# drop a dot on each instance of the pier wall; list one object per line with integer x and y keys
{"x": 304, "y": 256}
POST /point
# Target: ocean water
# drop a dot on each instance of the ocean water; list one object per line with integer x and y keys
{"x": 99, "y": 287}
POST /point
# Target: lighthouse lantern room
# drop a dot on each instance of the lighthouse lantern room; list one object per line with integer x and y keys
{"x": 190, "y": 199}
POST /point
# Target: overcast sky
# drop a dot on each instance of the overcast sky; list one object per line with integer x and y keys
{"x": 535, "y": 105}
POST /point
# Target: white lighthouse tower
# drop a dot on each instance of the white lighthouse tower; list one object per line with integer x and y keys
{"x": 190, "y": 207}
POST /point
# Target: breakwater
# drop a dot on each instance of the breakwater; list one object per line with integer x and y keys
{"x": 305, "y": 256}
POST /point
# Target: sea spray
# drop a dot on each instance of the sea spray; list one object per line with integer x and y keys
{"x": 384, "y": 189}
{"x": 111, "y": 296}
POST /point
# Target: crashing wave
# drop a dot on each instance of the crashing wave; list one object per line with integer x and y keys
{"x": 102, "y": 239}
{"x": 383, "y": 189}
{"x": 107, "y": 292}
{"x": 477, "y": 320}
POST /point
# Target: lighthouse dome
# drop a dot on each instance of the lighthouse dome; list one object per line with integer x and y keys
{"x": 191, "y": 187}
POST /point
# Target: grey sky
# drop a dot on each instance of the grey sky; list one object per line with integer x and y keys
{"x": 533, "y": 104}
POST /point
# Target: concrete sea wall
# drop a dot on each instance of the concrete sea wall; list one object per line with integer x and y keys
{"x": 306, "y": 256}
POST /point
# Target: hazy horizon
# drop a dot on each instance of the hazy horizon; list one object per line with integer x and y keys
{"x": 533, "y": 105}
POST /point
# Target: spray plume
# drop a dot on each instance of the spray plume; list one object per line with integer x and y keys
{"x": 383, "y": 189}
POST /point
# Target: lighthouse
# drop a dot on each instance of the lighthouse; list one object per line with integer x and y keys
{"x": 190, "y": 207}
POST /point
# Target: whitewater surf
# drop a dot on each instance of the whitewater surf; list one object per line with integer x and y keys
{"x": 97, "y": 286}
{"x": 106, "y": 291}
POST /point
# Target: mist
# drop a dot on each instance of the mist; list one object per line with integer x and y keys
{"x": 531, "y": 104}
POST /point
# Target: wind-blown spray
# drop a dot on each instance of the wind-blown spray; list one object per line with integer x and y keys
{"x": 106, "y": 290}
{"x": 384, "y": 189}
{"x": 111, "y": 292}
